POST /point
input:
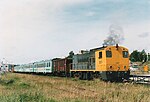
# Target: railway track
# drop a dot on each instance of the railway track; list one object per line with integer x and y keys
{"x": 134, "y": 78}
{"x": 140, "y": 79}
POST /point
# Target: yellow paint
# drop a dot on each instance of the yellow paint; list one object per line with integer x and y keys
{"x": 115, "y": 63}
{"x": 146, "y": 68}
{"x": 83, "y": 70}
{"x": 100, "y": 62}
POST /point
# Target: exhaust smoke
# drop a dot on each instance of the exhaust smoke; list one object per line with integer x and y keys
{"x": 115, "y": 35}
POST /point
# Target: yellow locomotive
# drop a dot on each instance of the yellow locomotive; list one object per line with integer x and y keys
{"x": 110, "y": 63}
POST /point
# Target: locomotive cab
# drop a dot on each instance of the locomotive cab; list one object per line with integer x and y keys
{"x": 113, "y": 63}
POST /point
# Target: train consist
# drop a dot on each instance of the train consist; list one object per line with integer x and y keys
{"x": 110, "y": 63}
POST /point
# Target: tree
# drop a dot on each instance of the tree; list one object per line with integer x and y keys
{"x": 148, "y": 56}
{"x": 137, "y": 56}
{"x": 143, "y": 56}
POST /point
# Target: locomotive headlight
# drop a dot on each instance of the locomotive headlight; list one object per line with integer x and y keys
{"x": 109, "y": 68}
{"x": 125, "y": 67}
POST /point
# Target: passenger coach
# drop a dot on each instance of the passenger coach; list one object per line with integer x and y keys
{"x": 44, "y": 66}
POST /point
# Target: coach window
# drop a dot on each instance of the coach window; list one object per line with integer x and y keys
{"x": 108, "y": 54}
{"x": 125, "y": 54}
{"x": 46, "y": 64}
{"x": 49, "y": 64}
{"x": 100, "y": 55}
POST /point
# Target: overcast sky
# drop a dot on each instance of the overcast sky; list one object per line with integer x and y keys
{"x": 32, "y": 30}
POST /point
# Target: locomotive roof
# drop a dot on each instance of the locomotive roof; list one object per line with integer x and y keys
{"x": 92, "y": 50}
{"x": 99, "y": 48}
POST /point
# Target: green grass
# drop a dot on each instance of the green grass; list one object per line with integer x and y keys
{"x": 34, "y": 88}
{"x": 25, "y": 97}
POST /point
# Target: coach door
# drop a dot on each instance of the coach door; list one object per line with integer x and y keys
{"x": 100, "y": 57}
{"x": 92, "y": 63}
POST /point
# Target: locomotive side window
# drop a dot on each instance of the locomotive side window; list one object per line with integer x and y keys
{"x": 108, "y": 54}
{"x": 125, "y": 54}
{"x": 100, "y": 55}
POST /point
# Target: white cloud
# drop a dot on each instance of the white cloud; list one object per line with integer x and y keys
{"x": 33, "y": 30}
{"x": 91, "y": 13}
{"x": 132, "y": 40}
{"x": 28, "y": 28}
{"x": 144, "y": 35}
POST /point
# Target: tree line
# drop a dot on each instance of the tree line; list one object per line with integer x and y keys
{"x": 139, "y": 56}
